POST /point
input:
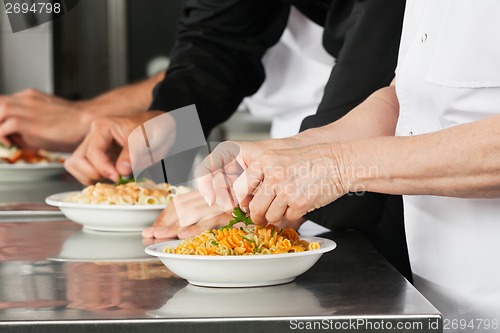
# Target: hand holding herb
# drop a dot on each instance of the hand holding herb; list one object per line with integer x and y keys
{"x": 239, "y": 216}
{"x": 125, "y": 180}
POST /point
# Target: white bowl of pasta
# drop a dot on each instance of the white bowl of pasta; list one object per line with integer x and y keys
{"x": 240, "y": 270}
{"x": 106, "y": 217}
{"x": 124, "y": 207}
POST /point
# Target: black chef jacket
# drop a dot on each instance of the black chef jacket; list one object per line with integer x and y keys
{"x": 216, "y": 62}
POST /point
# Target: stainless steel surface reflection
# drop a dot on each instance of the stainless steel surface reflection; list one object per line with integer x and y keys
{"x": 92, "y": 246}
{"x": 56, "y": 277}
{"x": 37, "y": 191}
{"x": 47, "y": 272}
{"x": 288, "y": 299}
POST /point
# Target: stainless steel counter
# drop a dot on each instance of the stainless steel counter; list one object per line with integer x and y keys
{"x": 56, "y": 277}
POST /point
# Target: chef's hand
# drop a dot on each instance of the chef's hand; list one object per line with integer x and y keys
{"x": 189, "y": 215}
{"x": 185, "y": 216}
{"x": 217, "y": 172}
{"x": 104, "y": 151}
{"x": 288, "y": 183}
{"x": 38, "y": 120}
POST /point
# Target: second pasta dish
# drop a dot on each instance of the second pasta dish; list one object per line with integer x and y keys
{"x": 131, "y": 193}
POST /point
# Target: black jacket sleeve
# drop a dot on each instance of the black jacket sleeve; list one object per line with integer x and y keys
{"x": 365, "y": 43}
{"x": 216, "y": 60}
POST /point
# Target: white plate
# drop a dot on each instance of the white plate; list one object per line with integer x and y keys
{"x": 240, "y": 271}
{"x": 18, "y": 172}
{"x": 106, "y": 217}
{"x": 91, "y": 246}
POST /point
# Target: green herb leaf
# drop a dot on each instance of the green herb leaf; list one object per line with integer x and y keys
{"x": 239, "y": 216}
{"x": 214, "y": 243}
{"x": 125, "y": 180}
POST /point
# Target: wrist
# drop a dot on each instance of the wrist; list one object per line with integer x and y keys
{"x": 305, "y": 138}
{"x": 292, "y": 142}
{"x": 282, "y": 143}
{"x": 341, "y": 175}
{"x": 87, "y": 112}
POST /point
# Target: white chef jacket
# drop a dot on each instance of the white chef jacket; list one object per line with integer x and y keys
{"x": 297, "y": 70}
{"x": 448, "y": 73}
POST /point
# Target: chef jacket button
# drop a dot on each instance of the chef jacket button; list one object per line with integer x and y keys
{"x": 410, "y": 133}
{"x": 424, "y": 38}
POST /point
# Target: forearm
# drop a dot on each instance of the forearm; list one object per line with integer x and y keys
{"x": 122, "y": 101}
{"x": 462, "y": 161}
{"x": 375, "y": 117}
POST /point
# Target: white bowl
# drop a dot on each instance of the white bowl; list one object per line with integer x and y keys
{"x": 27, "y": 172}
{"x": 240, "y": 271}
{"x": 106, "y": 217}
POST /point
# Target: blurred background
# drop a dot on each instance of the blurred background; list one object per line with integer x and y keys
{"x": 99, "y": 45}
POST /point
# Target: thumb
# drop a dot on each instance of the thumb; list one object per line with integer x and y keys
{"x": 190, "y": 231}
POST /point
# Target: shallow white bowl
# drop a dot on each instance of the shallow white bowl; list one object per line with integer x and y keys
{"x": 106, "y": 217}
{"x": 240, "y": 271}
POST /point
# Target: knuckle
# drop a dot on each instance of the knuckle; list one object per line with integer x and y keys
{"x": 255, "y": 208}
{"x": 31, "y": 91}
{"x": 69, "y": 164}
{"x": 14, "y": 123}
{"x": 100, "y": 124}
{"x": 97, "y": 124}
{"x": 4, "y": 107}
{"x": 271, "y": 217}
{"x": 293, "y": 215}
{"x": 301, "y": 204}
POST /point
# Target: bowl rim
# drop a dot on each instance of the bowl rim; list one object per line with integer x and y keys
{"x": 327, "y": 245}
{"x": 57, "y": 200}
{"x": 31, "y": 166}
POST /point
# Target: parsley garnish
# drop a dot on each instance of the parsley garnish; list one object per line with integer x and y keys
{"x": 239, "y": 216}
{"x": 125, "y": 180}
{"x": 129, "y": 179}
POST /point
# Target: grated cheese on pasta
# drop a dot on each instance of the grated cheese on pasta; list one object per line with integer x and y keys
{"x": 143, "y": 193}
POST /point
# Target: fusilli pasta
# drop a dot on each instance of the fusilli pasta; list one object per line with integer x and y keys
{"x": 249, "y": 240}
